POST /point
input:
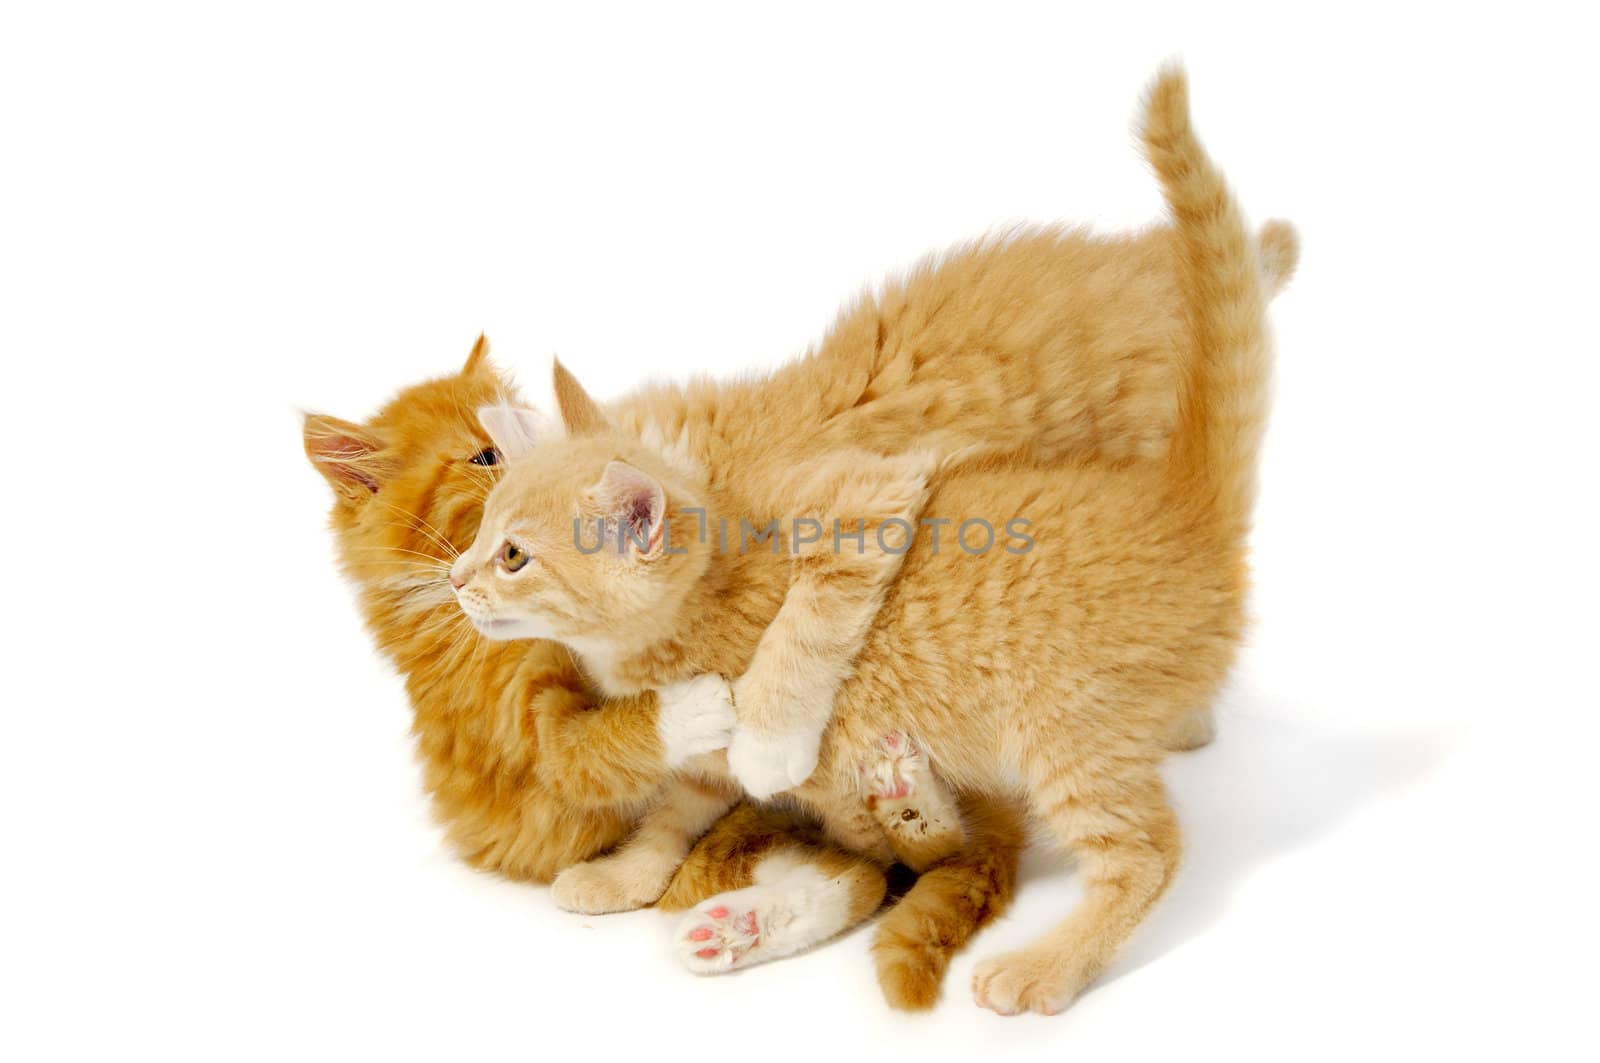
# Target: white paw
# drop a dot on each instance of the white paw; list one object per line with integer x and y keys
{"x": 695, "y": 717}
{"x": 721, "y": 934}
{"x": 767, "y": 764}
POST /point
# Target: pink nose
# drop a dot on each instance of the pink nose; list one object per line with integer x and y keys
{"x": 456, "y": 581}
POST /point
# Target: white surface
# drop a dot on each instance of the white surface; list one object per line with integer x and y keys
{"x": 218, "y": 848}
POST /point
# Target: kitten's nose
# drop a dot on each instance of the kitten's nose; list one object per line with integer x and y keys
{"x": 456, "y": 581}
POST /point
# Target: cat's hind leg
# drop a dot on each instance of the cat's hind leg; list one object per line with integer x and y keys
{"x": 919, "y": 815}
{"x": 1117, "y": 821}
{"x": 801, "y": 897}
{"x": 949, "y": 903}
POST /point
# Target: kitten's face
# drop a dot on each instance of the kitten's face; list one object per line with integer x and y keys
{"x": 539, "y": 567}
{"x": 409, "y": 484}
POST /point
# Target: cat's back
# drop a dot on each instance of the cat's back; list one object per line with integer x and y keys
{"x": 1064, "y": 341}
{"x": 1049, "y": 339}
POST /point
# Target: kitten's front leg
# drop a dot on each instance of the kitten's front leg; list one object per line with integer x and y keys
{"x": 696, "y": 717}
{"x": 784, "y": 700}
{"x": 771, "y": 751}
{"x": 637, "y": 873}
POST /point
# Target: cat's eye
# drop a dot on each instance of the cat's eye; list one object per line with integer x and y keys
{"x": 487, "y": 456}
{"x": 513, "y": 557}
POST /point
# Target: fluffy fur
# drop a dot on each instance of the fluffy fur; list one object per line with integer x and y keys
{"x": 527, "y": 777}
{"x": 1062, "y": 672}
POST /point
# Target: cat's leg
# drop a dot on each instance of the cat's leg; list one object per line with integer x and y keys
{"x": 737, "y": 880}
{"x": 637, "y": 873}
{"x": 801, "y": 896}
{"x": 919, "y": 815}
{"x": 1120, "y": 826}
{"x": 948, "y": 904}
{"x": 785, "y": 698}
{"x": 622, "y": 751}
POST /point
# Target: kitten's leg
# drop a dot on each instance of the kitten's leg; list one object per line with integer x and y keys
{"x": 1126, "y": 838}
{"x": 948, "y": 904}
{"x": 785, "y": 698}
{"x": 637, "y": 873}
{"x": 919, "y": 816}
{"x": 801, "y": 897}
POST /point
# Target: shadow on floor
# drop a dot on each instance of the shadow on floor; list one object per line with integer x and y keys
{"x": 1270, "y": 784}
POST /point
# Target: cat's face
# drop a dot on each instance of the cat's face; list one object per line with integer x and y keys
{"x": 540, "y": 566}
{"x": 409, "y": 484}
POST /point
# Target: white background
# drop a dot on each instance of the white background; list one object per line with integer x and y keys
{"x": 217, "y": 215}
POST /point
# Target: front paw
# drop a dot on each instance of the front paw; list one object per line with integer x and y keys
{"x": 695, "y": 717}
{"x": 610, "y": 884}
{"x": 766, "y": 764}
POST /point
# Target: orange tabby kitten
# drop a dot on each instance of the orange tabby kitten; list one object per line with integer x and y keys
{"x": 1061, "y": 671}
{"x": 525, "y": 777}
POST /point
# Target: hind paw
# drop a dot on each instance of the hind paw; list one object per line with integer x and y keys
{"x": 718, "y": 936}
{"x": 897, "y": 768}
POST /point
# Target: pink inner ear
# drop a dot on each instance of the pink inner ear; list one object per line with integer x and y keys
{"x": 636, "y": 501}
{"x": 342, "y": 456}
{"x": 640, "y": 519}
{"x": 638, "y": 514}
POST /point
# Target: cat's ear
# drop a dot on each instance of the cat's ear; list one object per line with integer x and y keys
{"x": 632, "y": 501}
{"x": 479, "y": 358}
{"x": 514, "y": 430}
{"x": 350, "y": 457}
{"x": 579, "y": 413}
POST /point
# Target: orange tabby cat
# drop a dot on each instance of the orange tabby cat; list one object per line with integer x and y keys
{"x": 528, "y": 779}
{"x": 1063, "y": 670}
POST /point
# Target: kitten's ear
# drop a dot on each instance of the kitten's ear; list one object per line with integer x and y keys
{"x": 513, "y": 429}
{"x": 350, "y": 457}
{"x": 479, "y": 358}
{"x": 579, "y": 412}
{"x": 634, "y": 501}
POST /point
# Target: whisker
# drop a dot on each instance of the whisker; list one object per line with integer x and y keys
{"x": 441, "y": 562}
{"x": 419, "y": 525}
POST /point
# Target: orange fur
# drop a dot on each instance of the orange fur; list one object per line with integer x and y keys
{"x": 525, "y": 775}
{"x": 486, "y": 716}
{"x": 950, "y": 902}
{"x": 1070, "y": 667}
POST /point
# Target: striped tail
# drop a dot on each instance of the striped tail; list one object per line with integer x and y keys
{"x": 1223, "y": 399}
{"x": 948, "y": 904}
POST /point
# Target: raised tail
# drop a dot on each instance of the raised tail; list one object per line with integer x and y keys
{"x": 1223, "y": 397}
{"x": 948, "y": 904}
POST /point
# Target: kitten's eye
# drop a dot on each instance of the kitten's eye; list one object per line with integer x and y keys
{"x": 513, "y": 557}
{"x": 486, "y": 456}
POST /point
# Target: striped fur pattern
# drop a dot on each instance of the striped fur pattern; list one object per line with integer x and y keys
{"x": 530, "y": 774}
{"x": 1060, "y": 674}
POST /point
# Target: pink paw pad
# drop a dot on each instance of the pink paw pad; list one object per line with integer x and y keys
{"x": 889, "y": 776}
{"x": 722, "y": 936}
